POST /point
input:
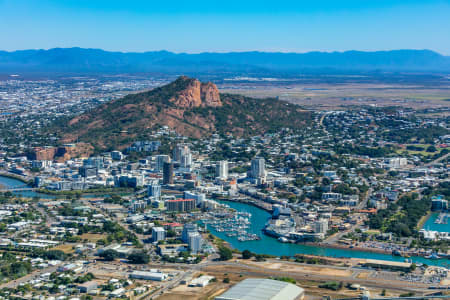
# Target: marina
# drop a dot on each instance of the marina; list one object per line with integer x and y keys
{"x": 263, "y": 244}
{"x": 434, "y": 224}
{"x": 442, "y": 218}
{"x": 270, "y": 245}
{"x": 234, "y": 225}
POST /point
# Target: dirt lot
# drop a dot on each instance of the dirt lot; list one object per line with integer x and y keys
{"x": 312, "y": 290}
{"x": 65, "y": 248}
{"x": 196, "y": 293}
{"x": 304, "y": 269}
{"x": 93, "y": 237}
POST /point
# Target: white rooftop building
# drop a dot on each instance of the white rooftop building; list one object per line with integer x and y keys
{"x": 262, "y": 289}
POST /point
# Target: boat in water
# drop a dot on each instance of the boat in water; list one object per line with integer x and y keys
{"x": 433, "y": 256}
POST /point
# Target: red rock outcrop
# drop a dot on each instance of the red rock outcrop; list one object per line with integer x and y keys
{"x": 197, "y": 94}
{"x": 210, "y": 95}
{"x": 62, "y": 153}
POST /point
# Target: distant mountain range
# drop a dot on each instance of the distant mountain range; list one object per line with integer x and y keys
{"x": 79, "y": 60}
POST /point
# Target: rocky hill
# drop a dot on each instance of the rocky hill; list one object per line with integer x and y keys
{"x": 186, "y": 105}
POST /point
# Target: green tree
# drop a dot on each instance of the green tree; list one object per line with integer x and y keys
{"x": 139, "y": 258}
{"x": 109, "y": 255}
{"x": 246, "y": 254}
{"x": 225, "y": 253}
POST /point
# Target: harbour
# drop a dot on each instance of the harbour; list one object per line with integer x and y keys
{"x": 442, "y": 218}
{"x": 437, "y": 223}
{"x": 271, "y": 246}
{"x": 264, "y": 244}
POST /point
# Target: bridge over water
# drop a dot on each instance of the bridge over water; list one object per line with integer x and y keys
{"x": 17, "y": 189}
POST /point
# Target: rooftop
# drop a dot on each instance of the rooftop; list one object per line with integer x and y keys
{"x": 262, "y": 289}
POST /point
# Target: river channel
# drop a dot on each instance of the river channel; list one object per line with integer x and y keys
{"x": 266, "y": 245}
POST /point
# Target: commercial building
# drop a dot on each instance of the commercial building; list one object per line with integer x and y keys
{"x": 201, "y": 281}
{"x": 331, "y": 196}
{"x": 117, "y": 155}
{"x": 198, "y": 197}
{"x": 129, "y": 181}
{"x": 154, "y": 190}
{"x": 186, "y": 160}
{"x": 195, "y": 242}
{"x": 222, "y": 170}
{"x": 396, "y": 162}
{"x": 87, "y": 286}
{"x": 168, "y": 173}
{"x": 438, "y": 203}
{"x": 258, "y": 168}
{"x": 188, "y": 228}
{"x": 384, "y": 264}
{"x": 138, "y": 205}
{"x": 263, "y": 289}
{"x": 172, "y": 249}
{"x": 155, "y": 276}
{"x": 160, "y": 160}
{"x": 180, "y": 205}
{"x": 158, "y": 234}
{"x": 179, "y": 151}
{"x": 88, "y": 171}
{"x": 321, "y": 226}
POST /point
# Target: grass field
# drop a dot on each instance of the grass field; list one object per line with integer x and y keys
{"x": 332, "y": 96}
{"x": 93, "y": 237}
{"x": 422, "y": 153}
{"x": 64, "y": 248}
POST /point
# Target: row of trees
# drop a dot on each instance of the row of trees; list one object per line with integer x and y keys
{"x": 138, "y": 257}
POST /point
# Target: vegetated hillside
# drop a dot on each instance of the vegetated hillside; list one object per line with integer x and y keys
{"x": 186, "y": 105}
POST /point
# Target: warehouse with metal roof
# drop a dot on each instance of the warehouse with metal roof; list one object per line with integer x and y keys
{"x": 263, "y": 289}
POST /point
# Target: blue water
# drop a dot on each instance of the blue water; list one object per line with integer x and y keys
{"x": 267, "y": 245}
{"x": 271, "y": 246}
{"x": 430, "y": 225}
{"x": 11, "y": 182}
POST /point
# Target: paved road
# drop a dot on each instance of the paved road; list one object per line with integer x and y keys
{"x": 361, "y": 205}
{"x": 239, "y": 267}
{"x": 437, "y": 160}
{"x": 50, "y": 219}
{"x": 258, "y": 271}
{"x": 24, "y": 279}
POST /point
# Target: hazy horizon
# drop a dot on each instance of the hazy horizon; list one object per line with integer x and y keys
{"x": 207, "y": 26}
{"x": 225, "y": 52}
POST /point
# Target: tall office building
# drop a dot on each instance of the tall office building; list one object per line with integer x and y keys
{"x": 168, "y": 173}
{"x": 321, "y": 226}
{"x": 258, "y": 168}
{"x": 222, "y": 170}
{"x": 96, "y": 161}
{"x": 188, "y": 228}
{"x": 198, "y": 197}
{"x": 186, "y": 159}
{"x": 158, "y": 234}
{"x": 160, "y": 160}
{"x": 179, "y": 151}
{"x": 195, "y": 242}
{"x": 154, "y": 189}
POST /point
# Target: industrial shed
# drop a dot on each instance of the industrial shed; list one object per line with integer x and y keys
{"x": 263, "y": 289}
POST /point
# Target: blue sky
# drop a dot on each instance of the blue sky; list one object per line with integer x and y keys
{"x": 223, "y": 26}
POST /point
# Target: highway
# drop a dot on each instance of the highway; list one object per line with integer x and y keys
{"x": 255, "y": 270}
